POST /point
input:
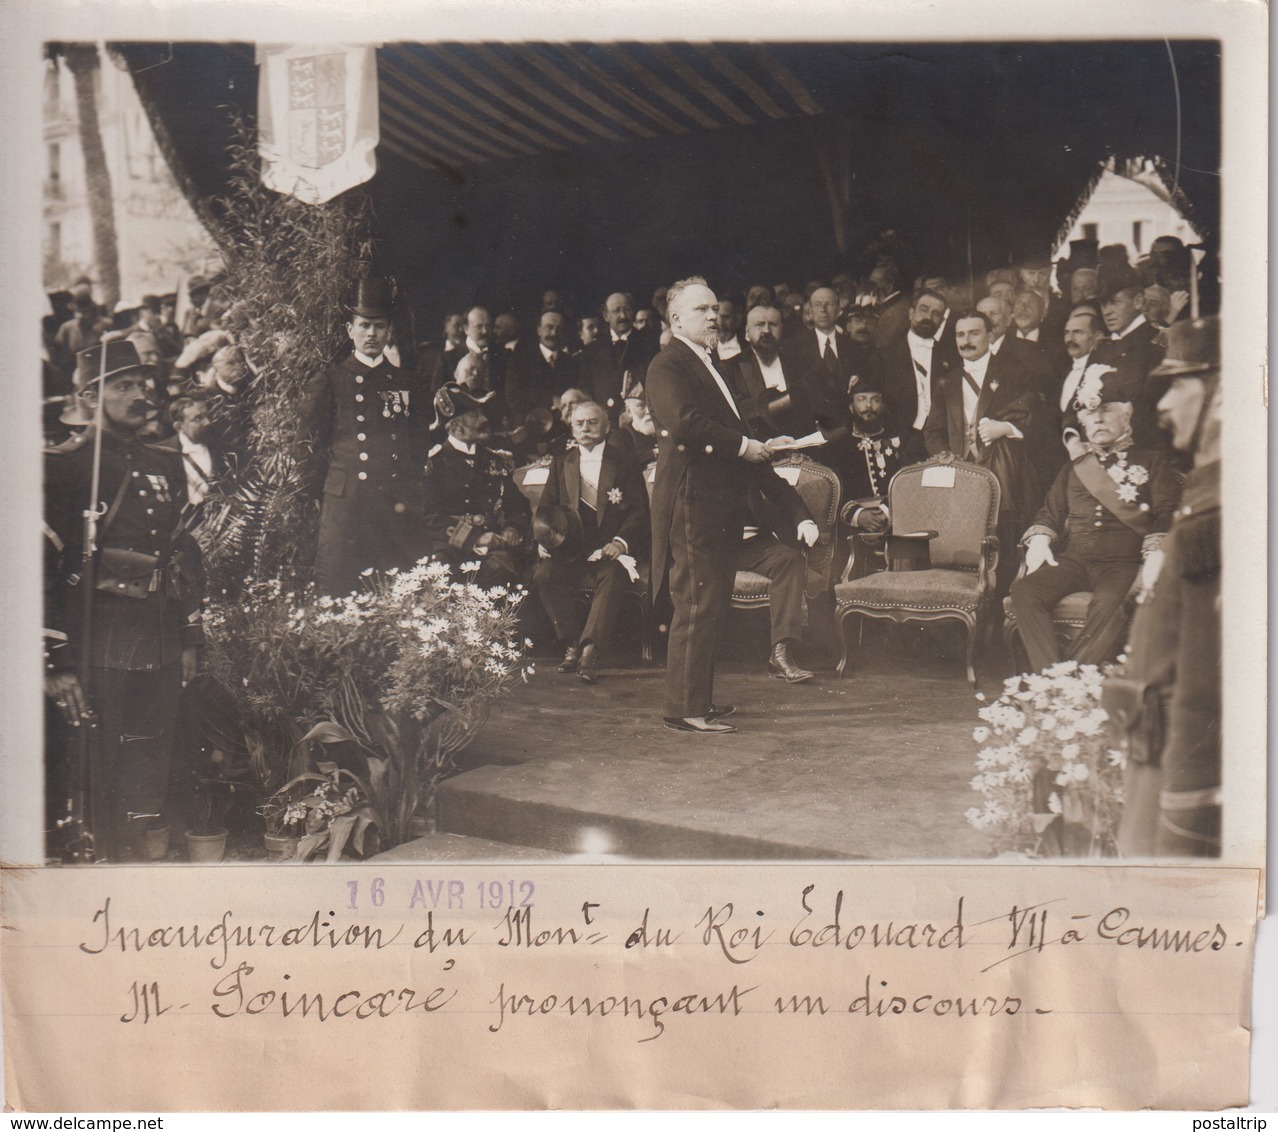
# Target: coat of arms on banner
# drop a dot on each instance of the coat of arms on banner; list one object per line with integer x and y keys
{"x": 316, "y": 109}
{"x": 318, "y": 124}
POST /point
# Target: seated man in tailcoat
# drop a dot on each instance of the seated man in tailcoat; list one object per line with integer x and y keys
{"x": 592, "y": 524}
{"x": 1106, "y": 513}
{"x": 474, "y": 512}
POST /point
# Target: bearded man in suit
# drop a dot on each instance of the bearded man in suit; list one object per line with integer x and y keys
{"x": 707, "y": 464}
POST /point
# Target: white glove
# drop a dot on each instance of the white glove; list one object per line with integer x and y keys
{"x": 1038, "y": 552}
{"x": 808, "y": 532}
{"x": 1150, "y": 569}
{"x": 542, "y": 552}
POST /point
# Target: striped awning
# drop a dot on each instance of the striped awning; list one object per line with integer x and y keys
{"x": 461, "y": 105}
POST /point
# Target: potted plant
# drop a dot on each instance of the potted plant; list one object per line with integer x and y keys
{"x": 213, "y": 796}
{"x": 1051, "y": 779}
{"x": 392, "y": 682}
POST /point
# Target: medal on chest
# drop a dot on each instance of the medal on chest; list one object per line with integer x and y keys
{"x": 394, "y": 403}
{"x": 160, "y": 488}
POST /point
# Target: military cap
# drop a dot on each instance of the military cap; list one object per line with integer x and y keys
{"x": 1193, "y": 349}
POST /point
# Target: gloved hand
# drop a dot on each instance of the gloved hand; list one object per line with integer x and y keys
{"x": 1038, "y": 552}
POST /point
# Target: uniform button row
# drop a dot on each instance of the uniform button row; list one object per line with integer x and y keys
{"x": 360, "y": 436}
{"x": 363, "y": 455}
{"x": 360, "y": 417}
{"x": 363, "y": 475}
{"x": 359, "y": 379}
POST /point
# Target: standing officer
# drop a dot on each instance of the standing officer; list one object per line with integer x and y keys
{"x": 145, "y": 626}
{"x": 369, "y": 420}
{"x": 1172, "y": 783}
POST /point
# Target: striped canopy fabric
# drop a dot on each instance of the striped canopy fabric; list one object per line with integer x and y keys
{"x": 505, "y": 167}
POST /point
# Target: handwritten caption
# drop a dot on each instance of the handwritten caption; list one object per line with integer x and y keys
{"x": 462, "y": 920}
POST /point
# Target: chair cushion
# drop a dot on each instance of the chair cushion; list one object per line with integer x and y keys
{"x": 749, "y": 585}
{"x": 1070, "y": 610}
{"x": 911, "y": 589}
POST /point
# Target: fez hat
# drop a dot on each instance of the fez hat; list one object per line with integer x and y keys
{"x": 84, "y": 303}
{"x": 151, "y": 303}
{"x": 197, "y": 283}
{"x": 1193, "y": 349}
{"x": 374, "y": 297}
{"x": 865, "y": 380}
{"x": 1102, "y": 384}
{"x": 121, "y": 357}
{"x": 558, "y": 529}
{"x": 168, "y": 297}
{"x": 452, "y": 400}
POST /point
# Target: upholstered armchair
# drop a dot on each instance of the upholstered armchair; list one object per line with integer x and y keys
{"x": 819, "y": 488}
{"x": 953, "y": 508}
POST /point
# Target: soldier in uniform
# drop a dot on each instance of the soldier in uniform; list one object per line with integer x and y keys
{"x": 145, "y": 628}
{"x": 363, "y": 434}
{"x": 1109, "y": 510}
{"x": 1172, "y": 691}
{"x": 474, "y": 510}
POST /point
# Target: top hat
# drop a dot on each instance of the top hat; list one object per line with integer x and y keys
{"x": 374, "y": 297}
{"x": 558, "y": 529}
{"x": 1115, "y": 279}
{"x": 1083, "y": 253}
{"x": 1193, "y": 349}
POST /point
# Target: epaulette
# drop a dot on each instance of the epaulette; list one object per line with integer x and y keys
{"x": 504, "y": 458}
{"x": 74, "y": 444}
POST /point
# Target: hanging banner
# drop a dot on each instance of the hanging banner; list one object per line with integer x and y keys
{"x": 317, "y": 118}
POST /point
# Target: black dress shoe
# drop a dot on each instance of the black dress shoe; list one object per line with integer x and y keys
{"x": 720, "y": 712}
{"x": 781, "y": 667}
{"x": 571, "y": 660}
{"x": 698, "y": 726}
{"x": 587, "y": 672}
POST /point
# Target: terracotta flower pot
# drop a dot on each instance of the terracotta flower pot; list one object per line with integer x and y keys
{"x": 206, "y": 847}
{"x": 157, "y": 843}
{"x": 280, "y": 846}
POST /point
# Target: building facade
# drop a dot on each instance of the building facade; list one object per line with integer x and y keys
{"x": 160, "y": 240}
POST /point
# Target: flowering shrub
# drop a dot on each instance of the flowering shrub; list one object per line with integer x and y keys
{"x": 405, "y": 671}
{"x": 1052, "y": 783}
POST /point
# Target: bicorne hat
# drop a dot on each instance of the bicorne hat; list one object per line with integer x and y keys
{"x": 1102, "y": 384}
